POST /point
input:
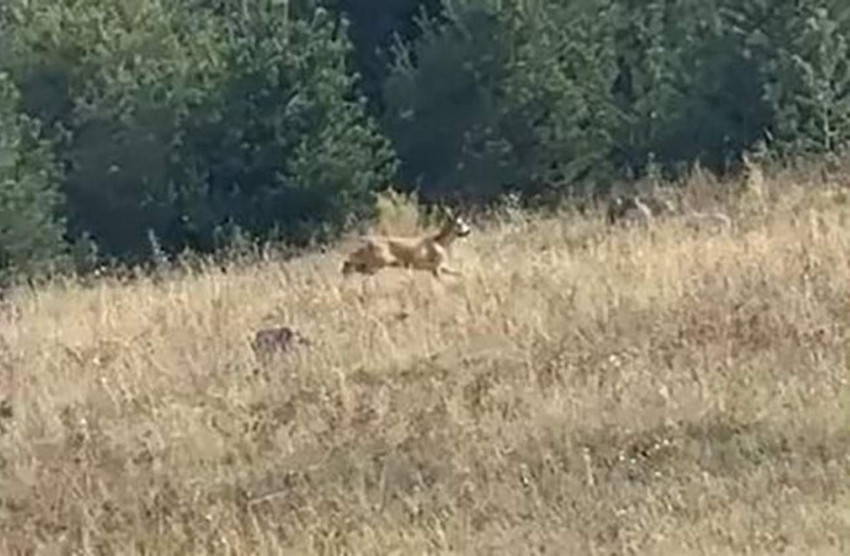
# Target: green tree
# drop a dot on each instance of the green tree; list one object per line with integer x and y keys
{"x": 114, "y": 81}
{"x": 688, "y": 84}
{"x": 504, "y": 96}
{"x": 807, "y": 78}
{"x": 176, "y": 119}
{"x": 30, "y": 225}
{"x": 560, "y": 106}
{"x": 443, "y": 106}
{"x": 376, "y": 27}
{"x": 286, "y": 146}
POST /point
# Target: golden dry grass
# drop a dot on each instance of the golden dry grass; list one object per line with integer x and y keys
{"x": 579, "y": 390}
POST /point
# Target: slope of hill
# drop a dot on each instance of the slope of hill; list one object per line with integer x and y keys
{"x": 580, "y": 390}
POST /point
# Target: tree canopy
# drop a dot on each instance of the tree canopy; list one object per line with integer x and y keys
{"x": 195, "y": 121}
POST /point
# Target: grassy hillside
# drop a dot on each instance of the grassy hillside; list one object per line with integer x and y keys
{"x": 580, "y": 390}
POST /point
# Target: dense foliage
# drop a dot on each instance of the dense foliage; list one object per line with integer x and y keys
{"x": 134, "y": 126}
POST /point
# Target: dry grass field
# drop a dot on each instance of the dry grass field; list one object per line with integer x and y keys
{"x": 581, "y": 389}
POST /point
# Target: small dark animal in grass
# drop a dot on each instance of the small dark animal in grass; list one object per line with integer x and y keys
{"x": 6, "y": 414}
{"x": 638, "y": 208}
{"x": 646, "y": 209}
{"x": 622, "y": 209}
{"x": 270, "y": 341}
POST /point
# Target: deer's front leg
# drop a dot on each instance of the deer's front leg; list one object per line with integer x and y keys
{"x": 450, "y": 271}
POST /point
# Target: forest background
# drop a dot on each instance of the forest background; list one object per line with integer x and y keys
{"x": 136, "y": 130}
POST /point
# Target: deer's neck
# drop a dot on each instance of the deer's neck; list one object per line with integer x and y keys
{"x": 444, "y": 237}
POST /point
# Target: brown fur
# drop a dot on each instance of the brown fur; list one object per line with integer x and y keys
{"x": 428, "y": 252}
